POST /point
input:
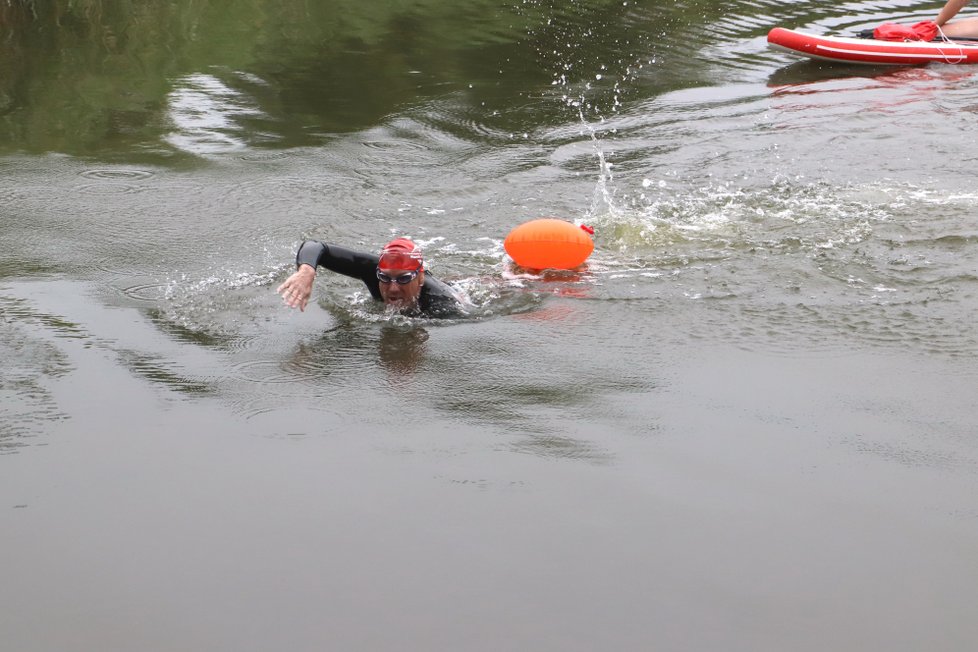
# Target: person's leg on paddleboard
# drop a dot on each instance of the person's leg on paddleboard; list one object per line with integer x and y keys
{"x": 965, "y": 28}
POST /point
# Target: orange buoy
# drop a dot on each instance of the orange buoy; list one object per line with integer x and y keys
{"x": 549, "y": 244}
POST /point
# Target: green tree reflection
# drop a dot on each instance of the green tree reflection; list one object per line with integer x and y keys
{"x": 94, "y": 77}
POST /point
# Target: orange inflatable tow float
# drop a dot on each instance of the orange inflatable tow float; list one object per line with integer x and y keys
{"x": 549, "y": 243}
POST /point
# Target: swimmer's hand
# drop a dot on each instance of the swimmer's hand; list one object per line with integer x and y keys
{"x": 298, "y": 288}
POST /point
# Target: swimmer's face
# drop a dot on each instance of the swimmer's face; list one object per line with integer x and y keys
{"x": 400, "y": 295}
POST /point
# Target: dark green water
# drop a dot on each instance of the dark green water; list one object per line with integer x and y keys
{"x": 749, "y": 424}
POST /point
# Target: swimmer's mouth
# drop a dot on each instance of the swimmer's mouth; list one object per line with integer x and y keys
{"x": 400, "y": 304}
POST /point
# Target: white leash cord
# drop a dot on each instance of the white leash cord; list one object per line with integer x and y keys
{"x": 961, "y": 55}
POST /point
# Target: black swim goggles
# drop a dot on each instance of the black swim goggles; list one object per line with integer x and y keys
{"x": 400, "y": 279}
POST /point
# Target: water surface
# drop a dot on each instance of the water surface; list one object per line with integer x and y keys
{"x": 747, "y": 424}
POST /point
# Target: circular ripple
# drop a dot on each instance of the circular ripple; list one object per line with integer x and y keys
{"x": 149, "y": 292}
{"x": 264, "y": 371}
{"x": 265, "y": 156}
{"x": 395, "y": 145}
{"x": 116, "y": 175}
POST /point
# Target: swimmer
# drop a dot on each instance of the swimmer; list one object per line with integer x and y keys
{"x": 396, "y": 276}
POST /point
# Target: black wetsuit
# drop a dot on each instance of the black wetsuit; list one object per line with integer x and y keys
{"x": 436, "y": 298}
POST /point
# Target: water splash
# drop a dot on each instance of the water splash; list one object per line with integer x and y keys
{"x": 592, "y": 82}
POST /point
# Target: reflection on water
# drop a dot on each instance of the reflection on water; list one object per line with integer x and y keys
{"x": 401, "y": 351}
{"x": 206, "y": 114}
{"x": 138, "y": 70}
{"x": 29, "y": 360}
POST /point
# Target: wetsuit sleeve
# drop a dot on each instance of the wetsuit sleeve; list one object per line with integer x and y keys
{"x": 344, "y": 261}
{"x": 336, "y": 259}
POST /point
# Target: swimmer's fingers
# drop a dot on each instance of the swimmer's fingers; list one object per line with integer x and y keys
{"x": 296, "y": 291}
{"x": 295, "y": 298}
{"x": 299, "y": 297}
{"x": 286, "y": 287}
{"x": 287, "y": 290}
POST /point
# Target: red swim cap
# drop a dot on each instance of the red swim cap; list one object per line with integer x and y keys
{"x": 400, "y": 254}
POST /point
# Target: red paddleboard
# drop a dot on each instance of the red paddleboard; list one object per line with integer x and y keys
{"x": 870, "y": 51}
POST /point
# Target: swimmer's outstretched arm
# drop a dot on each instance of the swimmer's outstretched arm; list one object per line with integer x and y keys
{"x": 298, "y": 288}
{"x": 313, "y": 254}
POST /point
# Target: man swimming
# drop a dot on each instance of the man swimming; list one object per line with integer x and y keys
{"x": 396, "y": 276}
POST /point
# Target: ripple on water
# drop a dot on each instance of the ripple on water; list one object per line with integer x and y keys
{"x": 922, "y": 327}
{"x": 116, "y": 174}
{"x": 562, "y": 447}
{"x": 263, "y": 387}
{"x": 464, "y": 124}
{"x": 406, "y": 147}
{"x": 911, "y": 456}
{"x": 148, "y": 292}
{"x": 262, "y": 195}
{"x": 393, "y": 148}
{"x": 836, "y": 325}
{"x": 164, "y": 372}
{"x": 113, "y": 181}
{"x": 229, "y": 311}
{"x": 793, "y": 330}
{"x": 113, "y": 188}
{"x": 29, "y": 362}
{"x": 270, "y": 372}
{"x": 266, "y": 156}
{"x": 271, "y": 414}
{"x": 183, "y": 329}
